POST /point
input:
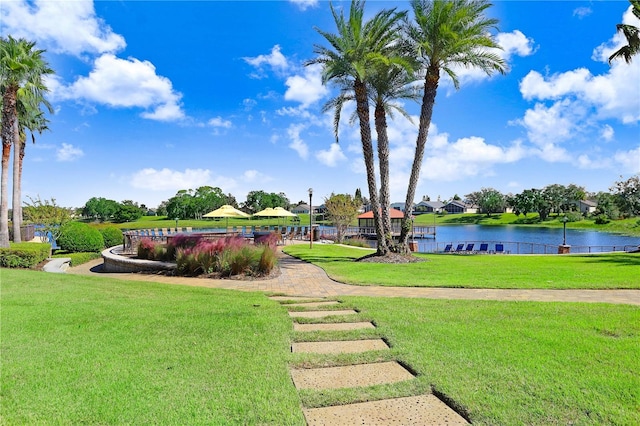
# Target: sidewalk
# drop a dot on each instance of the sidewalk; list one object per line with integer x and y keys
{"x": 299, "y": 278}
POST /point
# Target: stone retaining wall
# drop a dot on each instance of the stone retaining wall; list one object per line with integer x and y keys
{"x": 114, "y": 262}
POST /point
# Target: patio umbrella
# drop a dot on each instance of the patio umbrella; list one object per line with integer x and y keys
{"x": 275, "y": 212}
{"x": 226, "y": 211}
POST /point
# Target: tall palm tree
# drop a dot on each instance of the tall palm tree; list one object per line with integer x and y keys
{"x": 20, "y": 65}
{"x": 356, "y": 49}
{"x": 445, "y": 34}
{"x": 30, "y": 119}
{"x": 389, "y": 84}
{"x": 632, "y": 34}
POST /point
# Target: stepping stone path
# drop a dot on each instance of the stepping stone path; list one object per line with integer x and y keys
{"x": 414, "y": 410}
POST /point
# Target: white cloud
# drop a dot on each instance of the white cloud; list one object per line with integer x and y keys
{"x": 581, "y": 12}
{"x": 219, "y": 122}
{"x": 607, "y": 133}
{"x": 608, "y": 93}
{"x": 127, "y": 83}
{"x": 60, "y": 26}
{"x": 252, "y": 176}
{"x": 68, "y": 153}
{"x": 307, "y": 88}
{"x": 513, "y": 43}
{"x": 304, "y": 4}
{"x": 629, "y": 160}
{"x": 167, "y": 179}
{"x": 332, "y": 156}
{"x": 297, "y": 144}
{"x": 275, "y": 60}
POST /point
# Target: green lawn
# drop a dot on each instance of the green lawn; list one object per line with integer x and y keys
{"x": 92, "y": 350}
{"x": 602, "y": 271}
{"x": 96, "y": 350}
{"x": 514, "y": 363}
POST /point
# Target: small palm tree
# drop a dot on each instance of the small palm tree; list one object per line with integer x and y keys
{"x": 445, "y": 34}
{"x": 356, "y": 49}
{"x": 31, "y": 119}
{"x": 22, "y": 67}
{"x": 632, "y": 34}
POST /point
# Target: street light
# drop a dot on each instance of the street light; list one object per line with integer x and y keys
{"x": 310, "y": 219}
{"x": 564, "y": 230}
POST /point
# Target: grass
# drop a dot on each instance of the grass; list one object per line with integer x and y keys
{"x": 507, "y": 363}
{"x": 601, "y": 271}
{"x": 77, "y": 258}
{"x": 102, "y": 351}
{"x": 97, "y": 351}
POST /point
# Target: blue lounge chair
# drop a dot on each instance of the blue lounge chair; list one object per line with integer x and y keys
{"x": 459, "y": 248}
{"x": 484, "y": 248}
{"x": 469, "y": 247}
{"x": 447, "y": 248}
{"x": 500, "y": 248}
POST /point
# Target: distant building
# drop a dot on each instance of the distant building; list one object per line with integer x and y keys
{"x": 428, "y": 207}
{"x": 456, "y": 206}
{"x": 367, "y": 226}
{"x": 587, "y": 206}
{"x": 301, "y": 208}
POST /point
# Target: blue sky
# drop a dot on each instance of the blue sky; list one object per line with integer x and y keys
{"x": 154, "y": 97}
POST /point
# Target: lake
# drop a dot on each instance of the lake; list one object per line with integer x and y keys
{"x": 525, "y": 240}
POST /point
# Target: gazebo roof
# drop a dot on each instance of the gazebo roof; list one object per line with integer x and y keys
{"x": 393, "y": 213}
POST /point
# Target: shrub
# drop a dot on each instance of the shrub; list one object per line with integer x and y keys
{"x": 24, "y": 255}
{"x": 573, "y": 216}
{"x": 601, "y": 220}
{"x": 357, "y": 242}
{"x": 80, "y": 237}
{"x": 112, "y": 236}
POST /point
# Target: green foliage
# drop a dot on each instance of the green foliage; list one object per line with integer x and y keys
{"x": 488, "y": 199}
{"x": 187, "y": 204}
{"x": 342, "y": 209}
{"x": 80, "y": 237}
{"x": 112, "y": 236}
{"x": 573, "y": 216}
{"x": 260, "y": 200}
{"x": 601, "y": 220}
{"x": 23, "y": 255}
{"x": 357, "y": 242}
{"x": 77, "y": 258}
{"x": 46, "y": 213}
{"x": 627, "y": 193}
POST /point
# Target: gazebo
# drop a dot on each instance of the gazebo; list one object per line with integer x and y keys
{"x": 366, "y": 226}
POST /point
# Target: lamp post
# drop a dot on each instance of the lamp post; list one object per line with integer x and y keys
{"x": 564, "y": 230}
{"x": 176, "y": 224}
{"x": 310, "y": 219}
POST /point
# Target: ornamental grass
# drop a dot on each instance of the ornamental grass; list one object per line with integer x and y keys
{"x": 224, "y": 257}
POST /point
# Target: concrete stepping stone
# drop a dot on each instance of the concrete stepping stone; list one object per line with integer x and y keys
{"x": 413, "y": 410}
{"x": 321, "y": 314}
{"x": 315, "y": 304}
{"x": 350, "y": 376}
{"x": 340, "y": 326}
{"x": 296, "y": 298}
{"x": 343, "y": 346}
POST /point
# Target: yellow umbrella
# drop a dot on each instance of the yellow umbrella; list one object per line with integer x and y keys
{"x": 226, "y": 211}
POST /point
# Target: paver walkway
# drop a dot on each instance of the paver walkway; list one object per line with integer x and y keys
{"x": 299, "y": 278}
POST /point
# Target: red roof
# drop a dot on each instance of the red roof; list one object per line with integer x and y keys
{"x": 394, "y": 213}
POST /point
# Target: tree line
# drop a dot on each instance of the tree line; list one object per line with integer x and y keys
{"x": 622, "y": 201}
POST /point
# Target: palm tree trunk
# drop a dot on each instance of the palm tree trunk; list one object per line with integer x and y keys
{"x": 362, "y": 108}
{"x": 9, "y": 119}
{"x": 426, "y": 111}
{"x": 18, "y": 147}
{"x": 383, "y": 159}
